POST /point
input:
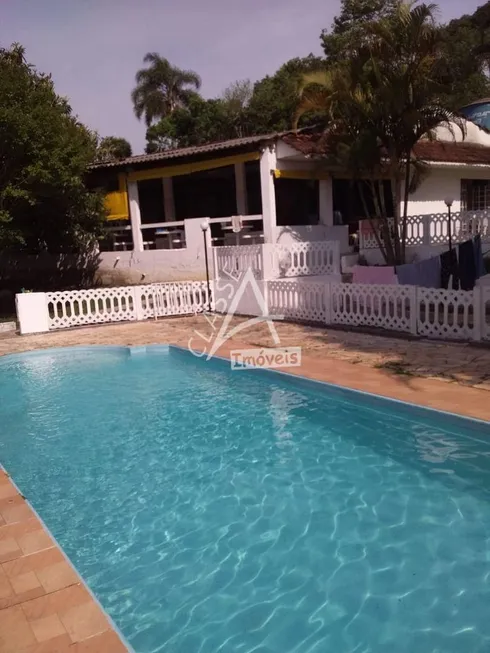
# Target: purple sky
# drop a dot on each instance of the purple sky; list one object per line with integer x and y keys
{"x": 94, "y": 47}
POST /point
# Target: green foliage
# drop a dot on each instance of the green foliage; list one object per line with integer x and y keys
{"x": 380, "y": 102}
{"x": 203, "y": 121}
{"x": 161, "y": 88}
{"x": 44, "y": 155}
{"x": 241, "y": 111}
{"x": 112, "y": 148}
{"x": 273, "y": 103}
{"x": 347, "y": 30}
{"x": 462, "y": 64}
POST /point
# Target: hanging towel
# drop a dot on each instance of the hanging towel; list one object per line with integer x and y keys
{"x": 383, "y": 275}
{"x": 479, "y": 262}
{"x": 467, "y": 267}
{"x": 426, "y": 273}
{"x": 236, "y": 223}
{"x": 449, "y": 269}
{"x": 408, "y": 274}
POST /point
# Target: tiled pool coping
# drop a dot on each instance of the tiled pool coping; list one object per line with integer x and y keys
{"x": 44, "y": 605}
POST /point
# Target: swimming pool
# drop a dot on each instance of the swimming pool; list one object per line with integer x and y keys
{"x": 212, "y": 510}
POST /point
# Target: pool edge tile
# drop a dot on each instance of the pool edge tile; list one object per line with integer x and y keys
{"x": 31, "y": 604}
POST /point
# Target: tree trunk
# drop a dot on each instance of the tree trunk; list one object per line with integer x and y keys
{"x": 405, "y": 207}
{"x": 385, "y": 225}
{"x": 373, "y": 223}
{"x": 395, "y": 190}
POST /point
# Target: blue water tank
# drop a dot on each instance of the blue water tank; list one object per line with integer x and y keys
{"x": 478, "y": 112}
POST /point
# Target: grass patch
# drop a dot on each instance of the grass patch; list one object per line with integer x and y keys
{"x": 395, "y": 367}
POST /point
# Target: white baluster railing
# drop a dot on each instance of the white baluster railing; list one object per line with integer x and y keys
{"x": 432, "y": 229}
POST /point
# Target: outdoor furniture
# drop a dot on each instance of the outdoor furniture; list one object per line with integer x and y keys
{"x": 237, "y": 234}
{"x": 166, "y": 237}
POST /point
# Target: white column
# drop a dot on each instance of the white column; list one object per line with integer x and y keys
{"x": 325, "y": 197}
{"x": 241, "y": 189}
{"x": 268, "y": 193}
{"x": 135, "y": 216}
{"x": 168, "y": 199}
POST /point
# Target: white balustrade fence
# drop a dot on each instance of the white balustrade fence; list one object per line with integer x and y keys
{"x": 435, "y": 313}
{"x": 297, "y": 300}
{"x": 79, "y": 307}
{"x": 231, "y": 261}
{"x": 305, "y": 258}
{"x": 483, "y": 317}
{"x": 166, "y": 299}
{"x": 387, "y": 307}
{"x": 432, "y": 229}
{"x": 38, "y": 312}
{"x": 446, "y": 314}
{"x": 271, "y": 261}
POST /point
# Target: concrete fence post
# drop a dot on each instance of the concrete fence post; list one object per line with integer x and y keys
{"x": 426, "y": 219}
{"x": 414, "y": 310}
{"x": 138, "y": 305}
{"x": 478, "y": 313}
{"x": 265, "y": 294}
{"x": 327, "y": 295}
{"x": 268, "y": 268}
{"x": 32, "y": 312}
{"x": 336, "y": 258}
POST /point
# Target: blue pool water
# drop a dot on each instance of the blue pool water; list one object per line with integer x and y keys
{"x": 218, "y": 511}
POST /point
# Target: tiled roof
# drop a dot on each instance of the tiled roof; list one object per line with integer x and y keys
{"x": 310, "y": 145}
{"x": 465, "y": 153}
{"x": 185, "y": 152}
{"x": 316, "y": 145}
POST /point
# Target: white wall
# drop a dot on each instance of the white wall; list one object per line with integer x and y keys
{"x": 440, "y": 183}
{"x": 437, "y": 185}
{"x": 159, "y": 264}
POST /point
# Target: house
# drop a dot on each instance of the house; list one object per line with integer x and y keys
{"x": 281, "y": 187}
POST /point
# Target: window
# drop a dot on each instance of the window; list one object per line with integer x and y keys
{"x": 475, "y": 194}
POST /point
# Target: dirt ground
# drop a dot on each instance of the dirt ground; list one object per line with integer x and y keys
{"x": 458, "y": 363}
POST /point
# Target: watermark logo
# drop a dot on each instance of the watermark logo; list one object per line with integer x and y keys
{"x": 243, "y": 359}
{"x": 237, "y": 294}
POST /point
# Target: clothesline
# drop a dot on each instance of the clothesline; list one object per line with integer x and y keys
{"x": 460, "y": 267}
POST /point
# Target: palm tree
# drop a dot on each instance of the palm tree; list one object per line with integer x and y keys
{"x": 161, "y": 88}
{"x": 379, "y": 104}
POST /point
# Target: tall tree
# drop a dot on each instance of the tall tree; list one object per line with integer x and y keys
{"x": 202, "y": 121}
{"x": 348, "y": 27}
{"x": 161, "y": 88}
{"x": 44, "y": 155}
{"x": 274, "y": 98}
{"x": 236, "y": 100}
{"x": 380, "y": 102}
{"x": 463, "y": 65}
{"x": 112, "y": 148}
{"x": 241, "y": 110}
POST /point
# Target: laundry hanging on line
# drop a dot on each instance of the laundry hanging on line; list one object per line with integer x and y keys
{"x": 467, "y": 265}
{"x": 426, "y": 273}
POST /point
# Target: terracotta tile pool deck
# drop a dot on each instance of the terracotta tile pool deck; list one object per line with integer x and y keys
{"x": 45, "y": 607}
